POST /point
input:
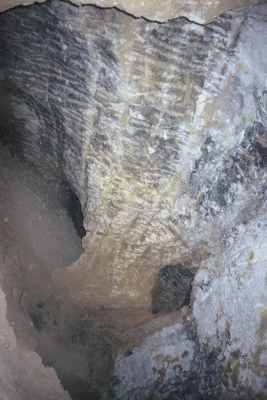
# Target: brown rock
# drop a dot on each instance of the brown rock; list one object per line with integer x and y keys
{"x": 157, "y": 10}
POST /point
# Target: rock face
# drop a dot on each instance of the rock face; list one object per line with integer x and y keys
{"x": 232, "y": 320}
{"x": 23, "y": 376}
{"x": 161, "y": 131}
{"x": 124, "y": 131}
{"x": 129, "y": 113}
{"x": 229, "y": 295}
{"x": 156, "y": 10}
{"x": 154, "y": 369}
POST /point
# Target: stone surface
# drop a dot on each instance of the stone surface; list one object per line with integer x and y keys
{"x": 7, "y": 4}
{"x": 161, "y": 131}
{"x": 230, "y": 309}
{"x": 23, "y": 376}
{"x": 160, "y": 366}
{"x": 170, "y": 364}
{"x": 129, "y": 112}
{"x": 229, "y": 297}
{"x": 157, "y": 10}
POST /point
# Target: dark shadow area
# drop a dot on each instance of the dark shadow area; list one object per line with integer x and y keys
{"x": 71, "y": 203}
{"x": 79, "y": 347}
{"x": 22, "y": 144}
{"x": 172, "y": 288}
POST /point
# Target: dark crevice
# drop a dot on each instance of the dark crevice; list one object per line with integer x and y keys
{"x": 172, "y": 288}
{"x": 71, "y": 203}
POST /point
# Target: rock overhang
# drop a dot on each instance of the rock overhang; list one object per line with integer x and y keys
{"x": 201, "y": 12}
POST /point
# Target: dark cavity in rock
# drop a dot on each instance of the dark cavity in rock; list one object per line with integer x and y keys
{"x": 71, "y": 203}
{"x": 172, "y": 288}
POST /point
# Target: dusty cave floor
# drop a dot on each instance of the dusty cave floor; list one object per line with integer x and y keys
{"x": 37, "y": 236}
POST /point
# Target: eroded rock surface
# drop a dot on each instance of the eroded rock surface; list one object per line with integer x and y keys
{"x": 156, "y": 10}
{"x": 23, "y": 376}
{"x": 132, "y": 115}
{"x": 160, "y": 366}
{"x": 229, "y": 296}
{"x": 160, "y": 130}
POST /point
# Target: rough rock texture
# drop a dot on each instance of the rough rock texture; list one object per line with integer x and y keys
{"x": 160, "y": 366}
{"x": 169, "y": 364}
{"x": 229, "y": 297}
{"x": 202, "y": 11}
{"x": 233, "y": 318}
{"x": 23, "y": 376}
{"x": 161, "y": 131}
{"x": 129, "y": 113}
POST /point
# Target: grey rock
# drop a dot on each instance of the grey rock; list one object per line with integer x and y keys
{"x": 157, "y": 369}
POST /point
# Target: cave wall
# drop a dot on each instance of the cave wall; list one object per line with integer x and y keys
{"x": 129, "y": 112}
{"x": 23, "y": 375}
{"x": 161, "y": 131}
{"x": 227, "y": 333}
{"x": 156, "y": 10}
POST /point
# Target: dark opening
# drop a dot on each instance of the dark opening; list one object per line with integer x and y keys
{"x": 172, "y": 288}
{"x": 71, "y": 203}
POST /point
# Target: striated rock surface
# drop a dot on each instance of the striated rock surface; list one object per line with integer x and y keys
{"x": 119, "y": 108}
{"x": 161, "y": 131}
{"x": 229, "y": 295}
{"x": 156, "y": 10}
{"x": 129, "y": 113}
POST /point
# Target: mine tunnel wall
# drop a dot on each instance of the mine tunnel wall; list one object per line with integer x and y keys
{"x": 122, "y": 109}
{"x": 43, "y": 91}
{"x": 105, "y": 102}
{"x": 161, "y": 132}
